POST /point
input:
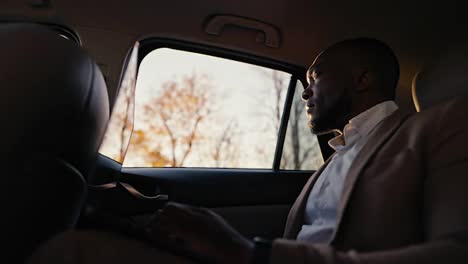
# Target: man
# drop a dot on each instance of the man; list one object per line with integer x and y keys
{"x": 392, "y": 193}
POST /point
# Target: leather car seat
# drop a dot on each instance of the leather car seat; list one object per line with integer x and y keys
{"x": 53, "y": 113}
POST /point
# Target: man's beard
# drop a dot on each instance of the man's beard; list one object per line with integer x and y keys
{"x": 330, "y": 121}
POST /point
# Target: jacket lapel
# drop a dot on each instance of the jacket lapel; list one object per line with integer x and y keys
{"x": 296, "y": 214}
{"x": 376, "y": 140}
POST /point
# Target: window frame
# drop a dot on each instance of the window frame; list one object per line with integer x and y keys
{"x": 297, "y": 74}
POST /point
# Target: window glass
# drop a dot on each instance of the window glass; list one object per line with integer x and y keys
{"x": 194, "y": 110}
{"x": 301, "y": 150}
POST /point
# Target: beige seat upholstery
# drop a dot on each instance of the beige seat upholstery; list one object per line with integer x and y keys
{"x": 445, "y": 77}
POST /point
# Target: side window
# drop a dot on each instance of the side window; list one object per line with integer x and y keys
{"x": 301, "y": 150}
{"x": 196, "y": 110}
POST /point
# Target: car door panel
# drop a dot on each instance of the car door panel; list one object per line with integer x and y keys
{"x": 255, "y": 202}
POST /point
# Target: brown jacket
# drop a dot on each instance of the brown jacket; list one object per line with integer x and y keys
{"x": 404, "y": 198}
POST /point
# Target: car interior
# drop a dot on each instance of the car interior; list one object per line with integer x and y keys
{"x": 196, "y": 102}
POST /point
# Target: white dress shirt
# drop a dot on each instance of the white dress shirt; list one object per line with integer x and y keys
{"x": 321, "y": 210}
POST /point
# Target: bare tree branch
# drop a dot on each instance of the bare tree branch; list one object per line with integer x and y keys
{"x": 173, "y": 140}
{"x": 191, "y": 139}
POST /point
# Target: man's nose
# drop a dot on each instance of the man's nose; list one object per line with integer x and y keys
{"x": 307, "y": 93}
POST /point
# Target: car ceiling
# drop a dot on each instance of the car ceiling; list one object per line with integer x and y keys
{"x": 108, "y": 28}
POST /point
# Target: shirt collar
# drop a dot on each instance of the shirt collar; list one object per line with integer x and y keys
{"x": 361, "y": 125}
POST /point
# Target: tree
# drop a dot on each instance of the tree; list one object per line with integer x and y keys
{"x": 150, "y": 155}
{"x": 225, "y": 152}
{"x": 299, "y": 144}
{"x": 176, "y": 124}
{"x": 172, "y": 119}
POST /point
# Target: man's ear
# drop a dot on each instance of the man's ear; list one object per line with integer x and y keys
{"x": 364, "y": 80}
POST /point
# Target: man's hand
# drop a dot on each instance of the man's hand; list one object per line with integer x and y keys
{"x": 200, "y": 232}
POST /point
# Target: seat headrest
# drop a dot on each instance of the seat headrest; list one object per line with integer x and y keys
{"x": 444, "y": 78}
{"x": 53, "y": 97}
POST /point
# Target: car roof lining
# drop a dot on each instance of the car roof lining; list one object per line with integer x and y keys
{"x": 414, "y": 29}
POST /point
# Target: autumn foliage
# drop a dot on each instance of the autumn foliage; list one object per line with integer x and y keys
{"x": 178, "y": 124}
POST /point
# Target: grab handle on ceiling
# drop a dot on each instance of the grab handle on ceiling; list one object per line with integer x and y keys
{"x": 267, "y": 34}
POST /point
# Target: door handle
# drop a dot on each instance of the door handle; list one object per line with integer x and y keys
{"x": 131, "y": 190}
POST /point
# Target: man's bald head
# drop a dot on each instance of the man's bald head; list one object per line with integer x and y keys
{"x": 370, "y": 55}
{"x": 348, "y": 78}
